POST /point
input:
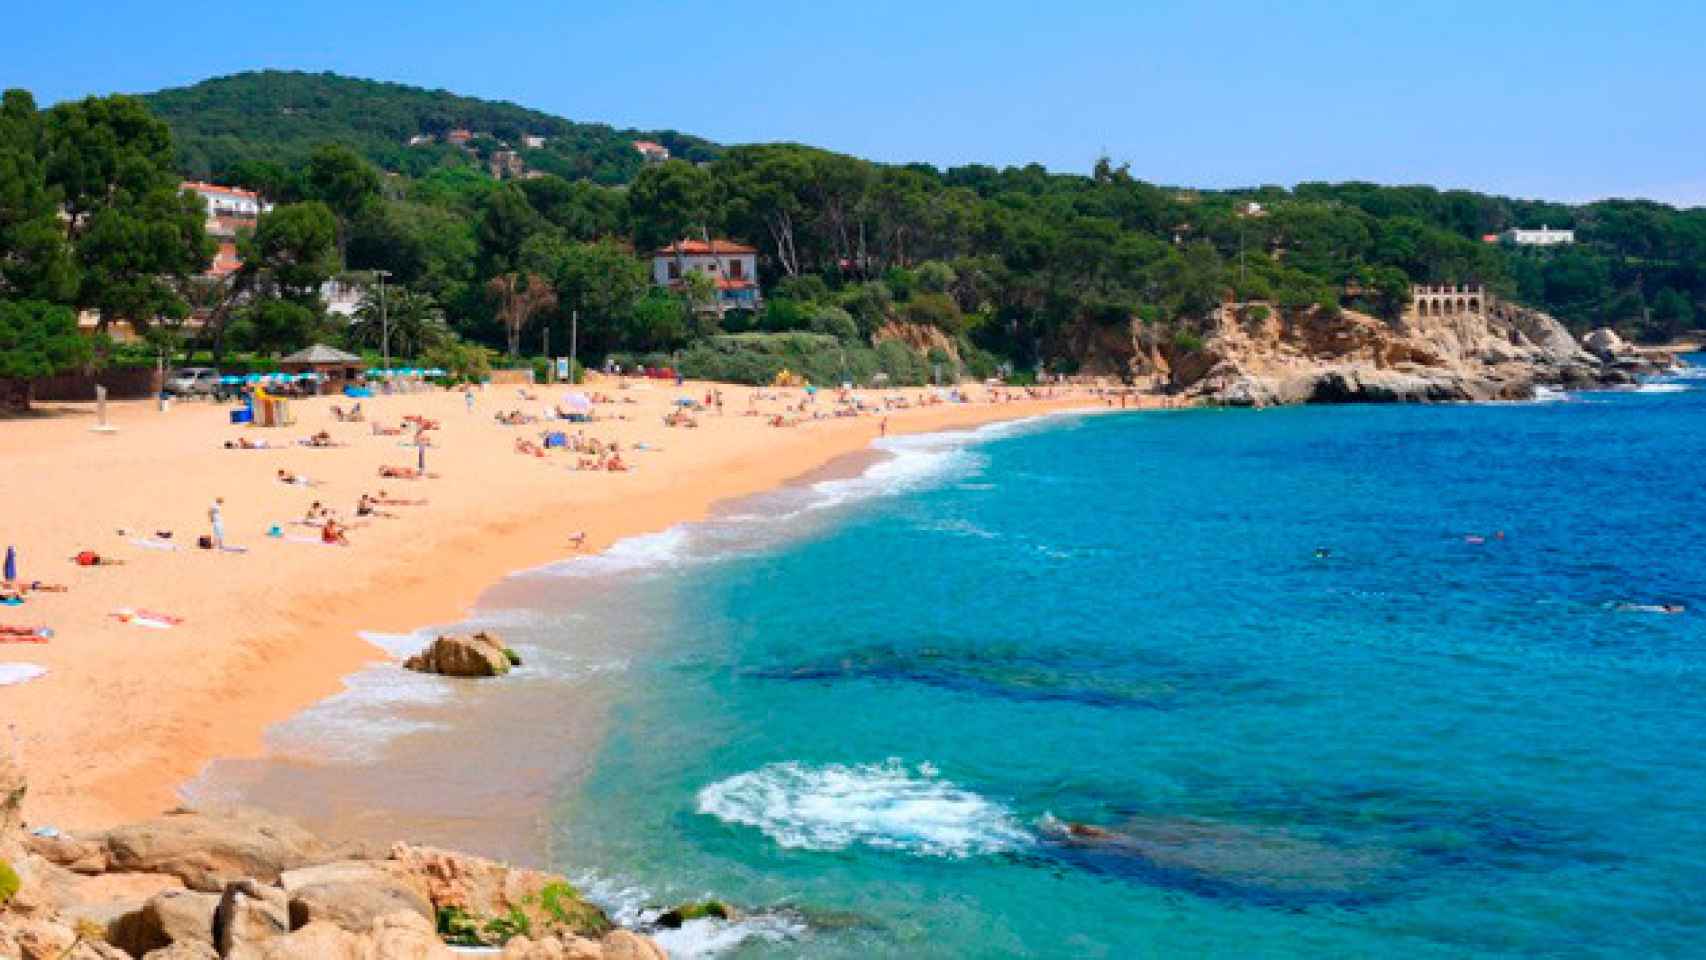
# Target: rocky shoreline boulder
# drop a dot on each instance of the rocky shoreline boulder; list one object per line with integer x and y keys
{"x": 240, "y": 884}
{"x": 479, "y": 654}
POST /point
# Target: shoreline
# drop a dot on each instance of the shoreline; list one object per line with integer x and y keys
{"x": 266, "y": 676}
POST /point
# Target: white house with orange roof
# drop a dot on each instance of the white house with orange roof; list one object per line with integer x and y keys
{"x": 229, "y": 210}
{"x": 732, "y": 266}
{"x": 652, "y": 151}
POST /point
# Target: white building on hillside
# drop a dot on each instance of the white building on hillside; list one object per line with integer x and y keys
{"x": 1544, "y": 237}
{"x": 733, "y": 267}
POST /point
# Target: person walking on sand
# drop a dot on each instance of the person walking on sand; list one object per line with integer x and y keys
{"x": 468, "y": 397}
{"x": 216, "y": 514}
{"x": 883, "y": 428}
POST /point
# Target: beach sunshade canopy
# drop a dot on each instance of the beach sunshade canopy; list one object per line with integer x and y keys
{"x": 230, "y": 378}
{"x": 252, "y": 378}
{"x": 578, "y": 402}
{"x": 320, "y": 353}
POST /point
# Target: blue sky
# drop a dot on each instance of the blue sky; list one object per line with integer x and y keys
{"x": 1555, "y": 98}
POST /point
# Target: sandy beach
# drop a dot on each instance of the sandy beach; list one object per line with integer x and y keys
{"x": 128, "y": 712}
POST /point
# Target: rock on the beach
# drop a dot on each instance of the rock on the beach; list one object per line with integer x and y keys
{"x": 1605, "y": 344}
{"x": 485, "y": 889}
{"x": 73, "y": 853}
{"x": 317, "y": 941}
{"x": 12, "y": 790}
{"x": 628, "y": 945}
{"x": 353, "y": 894}
{"x": 208, "y": 849}
{"x": 191, "y": 950}
{"x": 249, "y": 916}
{"x": 406, "y": 935}
{"x": 476, "y": 655}
{"x": 178, "y": 916}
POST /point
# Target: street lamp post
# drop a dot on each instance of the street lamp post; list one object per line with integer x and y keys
{"x": 384, "y": 321}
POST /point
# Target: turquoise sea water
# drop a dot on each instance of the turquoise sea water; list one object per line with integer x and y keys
{"x": 865, "y": 710}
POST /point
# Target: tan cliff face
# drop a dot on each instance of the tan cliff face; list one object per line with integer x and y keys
{"x": 1256, "y": 354}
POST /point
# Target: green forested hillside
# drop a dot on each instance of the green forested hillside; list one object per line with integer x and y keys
{"x": 275, "y": 115}
{"x": 1008, "y": 265}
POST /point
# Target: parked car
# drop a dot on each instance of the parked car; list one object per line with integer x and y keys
{"x": 193, "y": 382}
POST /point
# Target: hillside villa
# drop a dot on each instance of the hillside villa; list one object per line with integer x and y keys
{"x": 733, "y": 266}
{"x": 1544, "y": 237}
{"x": 653, "y": 152}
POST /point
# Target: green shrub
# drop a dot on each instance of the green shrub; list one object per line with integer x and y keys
{"x": 9, "y": 882}
{"x": 500, "y": 930}
{"x": 1185, "y": 341}
{"x": 513, "y": 657}
{"x": 457, "y": 928}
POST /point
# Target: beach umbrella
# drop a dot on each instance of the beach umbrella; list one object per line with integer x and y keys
{"x": 230, "y": 379}
{"x": 435, "y": 372}
{"x": 12, "y": 563}
{"x": 252, "y": 378}
{"x": 578, "y": 402}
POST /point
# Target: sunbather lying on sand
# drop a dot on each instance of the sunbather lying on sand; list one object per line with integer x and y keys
{"x": 368, "y": 507}
{"x": 405, "y": 473}
{"x": 391, "y": 501}
{"x": 321, "y": 439}
{"x": 295, "y": 479}
{"x": 525, "y": 446}
{"x": 19, "y": 589}
{"x": 15, "y": 634}
{"x": 333, "y": 533}
{"x": 89, "y": 558}
{"x": 380, "y": 431}
{"x": 244, "y": 443}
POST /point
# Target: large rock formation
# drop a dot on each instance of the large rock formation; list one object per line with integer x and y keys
{"x": 476, "y": 655}
{"x": 1258, "y": 354}
{"x": 260, "y": 887}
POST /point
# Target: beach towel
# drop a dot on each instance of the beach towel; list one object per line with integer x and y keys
{"x": 11, "y": 673}
{"x": 153, "y": 543}
{"x": 145, "y": 618}
{"x": 37, "y": 635}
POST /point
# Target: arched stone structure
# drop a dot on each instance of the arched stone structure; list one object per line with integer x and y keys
{"x": 1448, "y": 300}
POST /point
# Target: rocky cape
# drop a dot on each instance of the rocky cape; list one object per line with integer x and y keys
{"x": 245, "y": 885}
{"x": 1256, "y": 354}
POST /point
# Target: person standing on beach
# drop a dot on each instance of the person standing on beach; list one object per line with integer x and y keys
{"x": 216, "y": 514}
{"x": 883, "y": 428}
{"x": 468, "y": 395}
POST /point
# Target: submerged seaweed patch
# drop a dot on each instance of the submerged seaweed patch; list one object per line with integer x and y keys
{"x": 1004, "y": 671}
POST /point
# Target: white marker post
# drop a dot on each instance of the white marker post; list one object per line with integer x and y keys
{"x": 101, "y": 412}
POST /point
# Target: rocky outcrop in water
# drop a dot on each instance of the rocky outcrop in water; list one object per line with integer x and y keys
{"x": 246, "y": 885}
{"x": 1257, "y": 354}
{"x": 475, "y": 655}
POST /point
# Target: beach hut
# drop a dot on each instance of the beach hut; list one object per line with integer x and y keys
{"x": 334, "y": 367}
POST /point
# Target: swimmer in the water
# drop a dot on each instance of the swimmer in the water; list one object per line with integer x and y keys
{"x": 1668, "y": 608}
{"x": 1322, "y": 553}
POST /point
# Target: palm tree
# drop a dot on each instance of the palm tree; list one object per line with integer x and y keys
{"x": 519, "y": 297}
{"x": 416, "y": 323}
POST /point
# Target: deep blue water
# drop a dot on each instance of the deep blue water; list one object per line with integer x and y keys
{"x": 874, "y": 730}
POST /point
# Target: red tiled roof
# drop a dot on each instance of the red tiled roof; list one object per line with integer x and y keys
{"x": 200, "y": 187}
{"x": 699, "y": 248}
{"x": 734, "y": 284}
{"x": 646, "y": 146}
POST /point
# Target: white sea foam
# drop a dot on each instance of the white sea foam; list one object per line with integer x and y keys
{"x": 636, "y": 907}
{"x": 371, "y": 706}
{"x": 886, "y": 806}
{"x": 647, "y": 551}
{"x": 1663, "y": 388}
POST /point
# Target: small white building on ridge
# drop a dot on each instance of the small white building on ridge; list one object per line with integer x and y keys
{"x": 1544, "y": 237}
